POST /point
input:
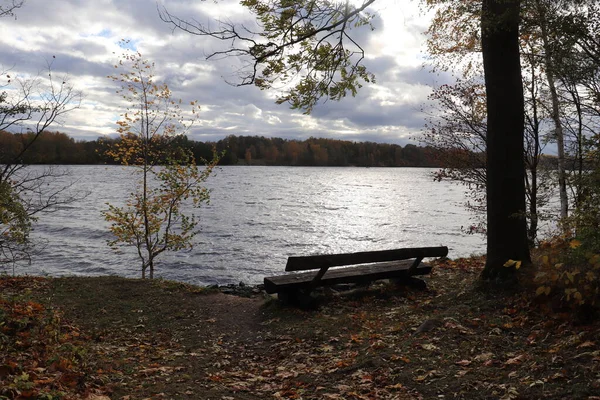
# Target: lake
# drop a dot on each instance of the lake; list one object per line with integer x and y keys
{"x": 258, "y": 216}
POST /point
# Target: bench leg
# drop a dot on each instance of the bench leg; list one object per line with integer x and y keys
{"x": 287, "y": 297}
{"x": 298, "y": 298}
{"x": 411, "y": 282}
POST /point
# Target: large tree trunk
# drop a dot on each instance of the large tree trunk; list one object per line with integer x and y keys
{"x": 507, "y": 227}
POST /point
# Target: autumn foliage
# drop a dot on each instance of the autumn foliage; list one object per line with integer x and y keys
{"x": 153, "y": 219}
{"x": 568, "y": 273}
{"x": 41, "y": 355}
{"x": 157, "y": 339}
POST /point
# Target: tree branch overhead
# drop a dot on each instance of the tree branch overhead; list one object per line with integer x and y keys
{"x": 303, "y": 48}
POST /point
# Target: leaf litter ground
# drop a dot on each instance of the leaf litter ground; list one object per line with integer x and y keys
{"x": 115, "y": 338}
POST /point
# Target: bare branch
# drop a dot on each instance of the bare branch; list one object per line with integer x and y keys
{"x": 8, "y": 9}
{"x": 301, "y": 45}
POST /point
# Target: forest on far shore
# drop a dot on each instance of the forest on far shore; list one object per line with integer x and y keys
{"x": 59, "y": 148}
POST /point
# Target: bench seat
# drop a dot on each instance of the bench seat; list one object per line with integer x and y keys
{"x": 363, "y": 273}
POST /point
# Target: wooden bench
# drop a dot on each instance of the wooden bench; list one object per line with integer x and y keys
{"x": 368, "y": 266}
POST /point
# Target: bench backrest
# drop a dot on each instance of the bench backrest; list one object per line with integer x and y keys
{"x": 305, "y": 263}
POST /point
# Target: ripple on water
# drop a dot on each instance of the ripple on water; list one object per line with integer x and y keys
{"x": 248, "y": 232}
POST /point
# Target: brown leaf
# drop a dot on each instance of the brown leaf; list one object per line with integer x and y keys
{"x": 515, "y": 360}
{"x": 462, "y": 372}
{"x": 586, "y": 344}
{"x": 463, "y": 363}
{"x": 397, "y": 386}
{"x": 455, "y": 325}
{"x": 343, "y": 388}
{"x": 558, "y": 375}
{"x": 429, "y": 346}
{"x": 429, "y": 374}
{"x": 484, "y": 357}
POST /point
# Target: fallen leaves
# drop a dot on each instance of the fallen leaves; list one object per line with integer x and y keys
{"x": 429, "y": 347}
{"x": 40, "y": 353}
{"x": 515, "y": 360}
{"x": 96, "y": 397}
{"x": 427, "y": 376}
{"x": 351, "y": 349}
{"x": 484, "y": 357}
{"x": 453, "y": 324}
{"x": 163, "y": 370}
{"x": 472, "y": 264}
{"x": 463, "y": 363}
{"x": 586, "y": 344}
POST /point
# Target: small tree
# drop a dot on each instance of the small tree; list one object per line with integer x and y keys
{"x": 153, "y": 220}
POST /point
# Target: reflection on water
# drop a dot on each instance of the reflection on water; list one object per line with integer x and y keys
{"x": 259, "y": 216}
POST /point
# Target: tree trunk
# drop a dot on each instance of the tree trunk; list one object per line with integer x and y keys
{"x": 558, "y": 128}
{"x": 506, "y": 223}
{"x": 532, "y": 157}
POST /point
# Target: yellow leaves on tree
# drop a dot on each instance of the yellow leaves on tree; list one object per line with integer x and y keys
{"x": 154, "y": 219}
{"x": 572, "y": 276}
{"x": 453, "y": 37}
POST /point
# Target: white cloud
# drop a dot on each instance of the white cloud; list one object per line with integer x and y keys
{"x": 84, "y": 37}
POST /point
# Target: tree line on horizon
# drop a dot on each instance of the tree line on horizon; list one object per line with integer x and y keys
{"x": 59, "y": 148}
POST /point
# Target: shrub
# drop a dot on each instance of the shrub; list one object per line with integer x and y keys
{"x": 568, "y": 270}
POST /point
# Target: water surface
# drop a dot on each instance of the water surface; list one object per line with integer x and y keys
{"x": 259, "y": 216}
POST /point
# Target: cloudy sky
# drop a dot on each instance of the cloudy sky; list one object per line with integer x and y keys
{"x": 81, "y": 39}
